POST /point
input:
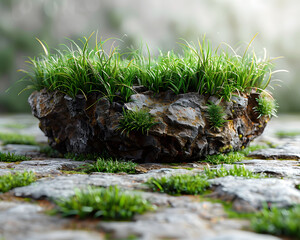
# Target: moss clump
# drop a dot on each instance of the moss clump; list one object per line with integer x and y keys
{"x": 17, "y": 179}
{"x": 236, "y": 171}
{"x": 110, "y": 203}
{"x": 228, "y": 158}
{"x": 179, "y": 184}
{"x": 11, "y": 157}
{"x": 267, "y": 106}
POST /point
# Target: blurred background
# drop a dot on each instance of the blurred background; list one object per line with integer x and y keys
{"x": 159, "y": 23}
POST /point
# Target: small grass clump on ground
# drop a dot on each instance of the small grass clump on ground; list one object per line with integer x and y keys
{"x": 11, "y": 157}
{"x": 81, "y": 157}
{"x": 138, "y": 120}
{"x": 179, "y": 184}
{"x": 236, "y": 171}
{"x": 17, "y": 179}
{"x": 222, "y": 158}
{"x": 14, "y": 138}
{"x": 110, "y": 203}
{"x": 287, "y": 134}
{"x": 215, "y": 115}
{"x": 278, "y": 221}
{"x": 78, "y": 69}
{"x": 250, "y": 149}
{"x": 109, "y": 165}
{"x": 267, "y": 106}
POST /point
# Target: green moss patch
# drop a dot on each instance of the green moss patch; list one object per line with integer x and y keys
{"x": 228, "y": 158}
{"x": 11, "y": 157}
{"x": 17, "y": 179}
{"x": 110, "y": 203}
{"x": 179, "y": 184}
{"x": 236, "y": 171}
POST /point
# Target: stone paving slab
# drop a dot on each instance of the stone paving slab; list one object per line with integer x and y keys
{"x": 275, "y": 168}
{"x": 283, "y": 152}
{"x": 248, "y": 195}
{"x": 25, "y": 221}
{"x": 63, "y": 186}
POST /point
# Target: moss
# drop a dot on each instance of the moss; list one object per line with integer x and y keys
{"x": 17, "y": 179}
{"x": 13, "y": 138}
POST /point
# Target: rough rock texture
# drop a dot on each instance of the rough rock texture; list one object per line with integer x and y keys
{"x": 282, "y": 152}
{"x": 251, "y": 194}
{"x": 183, "y": 133}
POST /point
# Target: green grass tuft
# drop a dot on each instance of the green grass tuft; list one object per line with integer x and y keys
{"x": 81, "y": 157}
{"x": 276, "y": 221}
{"x": 267, "y": 106}
{"x": 11, "y": 157}
{"x": 287, "y": 134}
{"x": 110, "y": 203}
{"x": 215, "y": 115}
{"x": 109, "y": 165}
{"x": 236, "y": 171}
{"x": 14, "y": 138}
{"x": 179, "y": 184}
{"x": 250, "y": 149}
{"x": 138, "y": 120}
{"x": 228, "y": 158}
{"x": 78, "y": 69}
{"x": 17, "y": 179}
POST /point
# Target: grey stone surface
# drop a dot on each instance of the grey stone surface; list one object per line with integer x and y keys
{"x": 26, "y": 150}
{"x": 47, "y": 166}
{"x": 284, "y": 152}
{"x": 180, "y": 223}
{"x": 63, "y": 186}
{"x": 275, "y": 168}
{"x": 251, "y": 194}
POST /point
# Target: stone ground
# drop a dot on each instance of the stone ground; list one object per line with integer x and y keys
{"x": 23, "y": 210}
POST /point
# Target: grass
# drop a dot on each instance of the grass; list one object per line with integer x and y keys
{"x": 137, "y": 120}
{"x": 179, "y": 184}
{"x": 222, "y": 158}
{"x": 267, "y": 106}
{"x": 109, "y": 165}
{"x": 14, "y": 138}
{"x": 236, "y": 171}
{"x": 252, "y": 148}
{"x": 49, "y": 151}
{"x": 276, "y": 221}
{"x": 110, "y": 203}
{"x": 17, "y": 179}
{"x": 14, "y": 125}
{"x": 82, "y": 157}
{"x": 79, "y": 69}
{"x": 216, "y": 115}
{"x": 11, "y": 157}
{"x": 287, "y": 134}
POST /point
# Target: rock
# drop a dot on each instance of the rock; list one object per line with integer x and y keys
{"x": 180, "y": 223}
{"x": 63, "y": 186}
{"x": 284, "y": 152}
{"x": 249, "y": 195}
{"x": 26, "y": 150}
{"x": 183, "y": 132}
{"x": 275, "y": 168}
{"x": 19, "y": 221}
{"x": 47, "y": 166}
